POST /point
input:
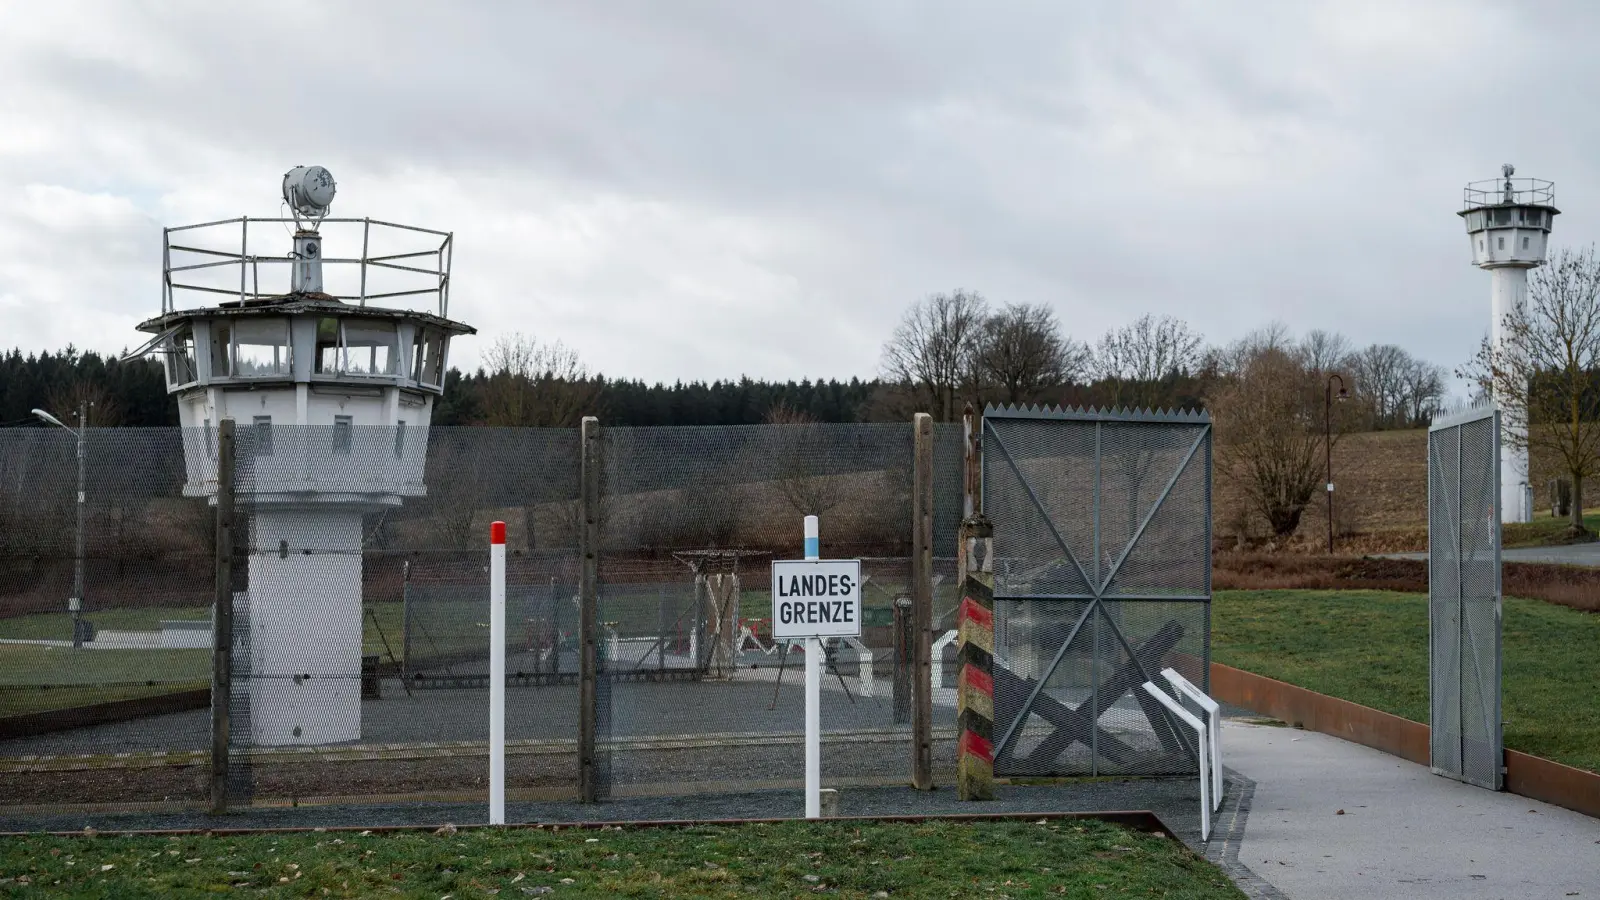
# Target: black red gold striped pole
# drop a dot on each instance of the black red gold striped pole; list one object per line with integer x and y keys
{"x": 975, "y": 656}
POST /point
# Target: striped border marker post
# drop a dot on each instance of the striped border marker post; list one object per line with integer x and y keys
{"x": 975, "y": 656}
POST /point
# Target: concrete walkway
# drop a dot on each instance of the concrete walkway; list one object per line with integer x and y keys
{"x": 1566, "y": 555}
{"x": 1405, "y": 832}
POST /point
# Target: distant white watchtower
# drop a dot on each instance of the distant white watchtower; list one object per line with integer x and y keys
{"x": 330, "y": 364}
{"x": 1509, "y": 223}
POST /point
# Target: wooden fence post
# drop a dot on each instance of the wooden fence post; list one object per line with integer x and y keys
{"x": 222, "y": 620}
{"x": 588, "y": 607}
{"x": 922, "y": 602}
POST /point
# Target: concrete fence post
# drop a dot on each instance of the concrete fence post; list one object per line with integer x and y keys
{"x": 588, "y": 608}
{"x": 222, "y": 620}
{"x": 922, "y": 602}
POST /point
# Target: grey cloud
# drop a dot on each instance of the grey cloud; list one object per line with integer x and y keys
{"x": 1225, "y": 162}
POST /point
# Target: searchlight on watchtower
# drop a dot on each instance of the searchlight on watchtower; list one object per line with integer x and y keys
{"x": 1508, "y": 221}
{"x": 330, "y": 359}
{"x": 308, "y": 191}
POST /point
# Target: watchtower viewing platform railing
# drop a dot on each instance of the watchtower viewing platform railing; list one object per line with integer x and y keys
{"x": 227, "y": 256}
{"x": 1509, "y": 192}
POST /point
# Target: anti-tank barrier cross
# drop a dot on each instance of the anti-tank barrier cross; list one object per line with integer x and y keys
{"x": 1082, "y": 723}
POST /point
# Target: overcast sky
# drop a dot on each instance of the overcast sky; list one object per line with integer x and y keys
{"x": 700, "y": 190}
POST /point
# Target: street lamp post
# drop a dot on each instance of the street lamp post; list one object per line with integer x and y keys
{"x": 1327, "y": 441}
{"x": 75, "y": 603}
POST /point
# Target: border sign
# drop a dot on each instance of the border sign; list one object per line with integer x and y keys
{"x": 816, "y": 598}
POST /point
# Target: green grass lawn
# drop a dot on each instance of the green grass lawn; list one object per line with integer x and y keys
{"x": 39, "y": 679}
{"x": 1544, "y": 531}
{"x": 1371, "y": 647}
{"x": 841, "y": 859}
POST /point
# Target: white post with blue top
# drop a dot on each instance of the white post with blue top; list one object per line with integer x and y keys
{"x": 813, "y": 600}
{"x": 813, "y": 697}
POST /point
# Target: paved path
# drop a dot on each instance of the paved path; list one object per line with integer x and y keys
{"x": 1567, "y": 554}
{"x": 1405, "y": 832}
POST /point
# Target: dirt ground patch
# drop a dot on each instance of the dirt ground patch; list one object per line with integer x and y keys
{"x": 1571, "y": 586}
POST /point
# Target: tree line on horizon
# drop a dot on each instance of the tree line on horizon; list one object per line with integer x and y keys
{"x": 1267, "y": 392}
{"x": 949, "y": 350}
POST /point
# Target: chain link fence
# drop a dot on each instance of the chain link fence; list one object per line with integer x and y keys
{"x": 691, "y": 520}
{"x": 104, "y": 650}
{"x": 359, "y": 584}
{"x": 358, "y": 575}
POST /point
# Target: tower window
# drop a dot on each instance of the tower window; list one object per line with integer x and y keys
{"x": 429, "y": 354}
{"x": 342, "y": 427}
{"x": 260, "y": 347}
{"x": 1524, "y": 243}
{"x": 180, "y": 358}
{"x": 1502, "y": 242}
{"x": 356, "y": 347}
{"x": 262, "y": 426}
{"x": 400, "y": 439}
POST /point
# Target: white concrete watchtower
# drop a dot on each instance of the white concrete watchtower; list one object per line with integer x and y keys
{"x": 1508, "y": 221}
{"x": 331, "y": 373}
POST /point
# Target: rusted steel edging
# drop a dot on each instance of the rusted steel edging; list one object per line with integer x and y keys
{"x": 1526, "y": 775}
{"x": 1319, "y": 712}
{"x": 1142, "y": 820}
{"x": 1560, "y": 785}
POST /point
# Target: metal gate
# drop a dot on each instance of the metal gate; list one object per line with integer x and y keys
{"x": 1102, "y": 579}
{"x": 1464, "y": 596}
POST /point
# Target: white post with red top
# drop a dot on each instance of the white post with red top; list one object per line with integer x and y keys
{"x": 497, "y": 673}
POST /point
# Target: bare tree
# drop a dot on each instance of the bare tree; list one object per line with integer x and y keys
{"x": 1325, "y": 351}
{"x": 802, "y": 453}
{"x": 66, "y": 400}
{"x": 1543, "y": 374}
{"x": 532, "y": 384}
{"x": 457, "y": 477}
{"x": 1424, "y": 391}
{"x": 1397, "y": 389}
{"x": 1021, "y": 352}
{"x": 1269, "y": 432}
{"x": 1140, "y": 360}
{"x": 934, "y": 347}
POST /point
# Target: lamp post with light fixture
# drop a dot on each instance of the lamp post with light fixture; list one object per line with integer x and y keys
{"x": 1327, "y": 440}
{"x": 75, "y": 603}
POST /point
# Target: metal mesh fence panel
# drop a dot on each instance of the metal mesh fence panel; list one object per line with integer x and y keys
{"x": 107, "y": 703}
{"x": 1464, "y": 597}
{"x": 698, "y": 691}
{"x": 361, "y": 631}
{"x": 360, "y": 626}
{"x": 1103, "y": 578}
